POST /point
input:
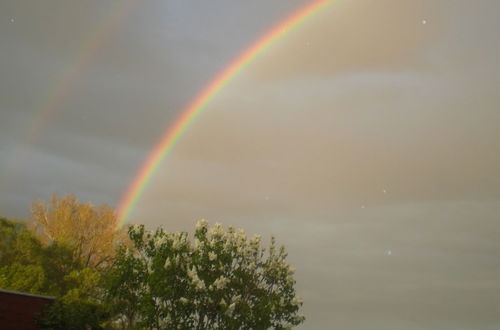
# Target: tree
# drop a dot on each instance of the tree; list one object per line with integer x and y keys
{"x": 93, "y": 232}
{"x": 220, "y": 280}
{"x": 81, "y": 306}
{"x": 27, "y": 265}
{"x": 20, "y": 258}
{"x": 25, "y": 278}
{"x": 17, "y": 244}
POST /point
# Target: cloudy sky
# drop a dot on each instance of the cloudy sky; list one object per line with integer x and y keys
{"x": 367, "y": 140}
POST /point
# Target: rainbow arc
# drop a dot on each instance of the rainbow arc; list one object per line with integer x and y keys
{"x": 195, "y": 107}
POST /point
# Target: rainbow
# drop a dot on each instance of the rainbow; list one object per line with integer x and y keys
{"x": 87, "y": 52}
{"x": 66, "y": 82}
{"x": 193, "y": 110}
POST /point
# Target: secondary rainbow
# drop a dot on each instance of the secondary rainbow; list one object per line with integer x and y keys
{"x": 67, "y": 81}
{"x": 87, "y": 52}
{"x": 189, "y": 114}
{"x": 58, "y": 93}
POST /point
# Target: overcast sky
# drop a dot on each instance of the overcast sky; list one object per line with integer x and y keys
{"x": 367, "y": 140}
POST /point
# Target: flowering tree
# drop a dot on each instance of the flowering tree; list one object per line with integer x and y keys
{"x": 221, "y": 279}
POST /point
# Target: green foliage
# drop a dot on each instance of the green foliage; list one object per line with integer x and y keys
{"x": 17, "y": 244}
{"x": 58, "y": 263}
{"x": 84, "y": 284}
{"x": 8, "y": 235}
{"x": 25, "y": 278}
{"x": 81, "y": 306}
{"x": 79, "y": 315}
{"x": 29, "y": 266}
{"x": 20, "y": 259}
{"x": 220, "y": 280}
{"x": 26, "y": 265}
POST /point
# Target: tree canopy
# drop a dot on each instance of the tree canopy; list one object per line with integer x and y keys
{"x": 221, "y": 279}
{"x": 51, "y": 269}
{"x": 26, "y": 265}
{"x": 216, "y": 278}
{"x": 93, "y": 231}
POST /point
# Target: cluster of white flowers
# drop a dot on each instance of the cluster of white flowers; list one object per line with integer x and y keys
{"x": 299, "y": 318}
{"x": 158, "y": 241}
{"x": 255, "y": 240}
{"x": 227, "y": 245}
{"x": 230, "y": 309}
{"x": 212, "y": 256}
{"x": 222, "y": 254}
{"x": 149, "y": 265}
{"x": 197, "y": 244}
{"x": 296, "y": 301}
{"x": 135, "y": 228}
{"x": 197, "y": 282}
{"x": 201, "y": 224}
{"x": 221, "y": 282}
{"x": 178, "y": 240}
{"x": 217, "y": 230}
{"x": 240, "y": 237}
{"x": 167, "y": 263}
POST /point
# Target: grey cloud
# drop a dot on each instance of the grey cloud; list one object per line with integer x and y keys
{"x": 128, "y": 86}
{"x": 353, "y": 35}
{"x": 308, "y": 155}
{"x": 366, "y": 141}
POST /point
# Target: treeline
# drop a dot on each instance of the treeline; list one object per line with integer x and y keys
{"x": 108, "y": 277}
{"x": 65, "y": 251}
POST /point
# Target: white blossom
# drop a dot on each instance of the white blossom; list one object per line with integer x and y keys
{"x": 296, "y": 301}
{"x": 158, "y": 241}
{"x": 217, "y": 230}
{"x": 227, "y": 245}
{"x": 230, "y": 309}
{"x": 135, "y": 228}
{"x": 214, "y": 251}
{"x": 193, "y": 275}
{"x": 201, "y": 224}
{"x": 299, "y": 317}
{"x": 221, "y": 282}
{"x": 167, "y": 263}
{"x": 200, "y": 285}
{"x": 255, "y": 240}
{"x": 197, "y": 244}
{"x": 176, "y": 243}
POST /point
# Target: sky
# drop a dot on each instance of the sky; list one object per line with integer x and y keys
{"x": 366, "y": 140}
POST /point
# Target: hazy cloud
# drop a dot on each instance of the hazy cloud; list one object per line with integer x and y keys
{"x": 366, "y": 141}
